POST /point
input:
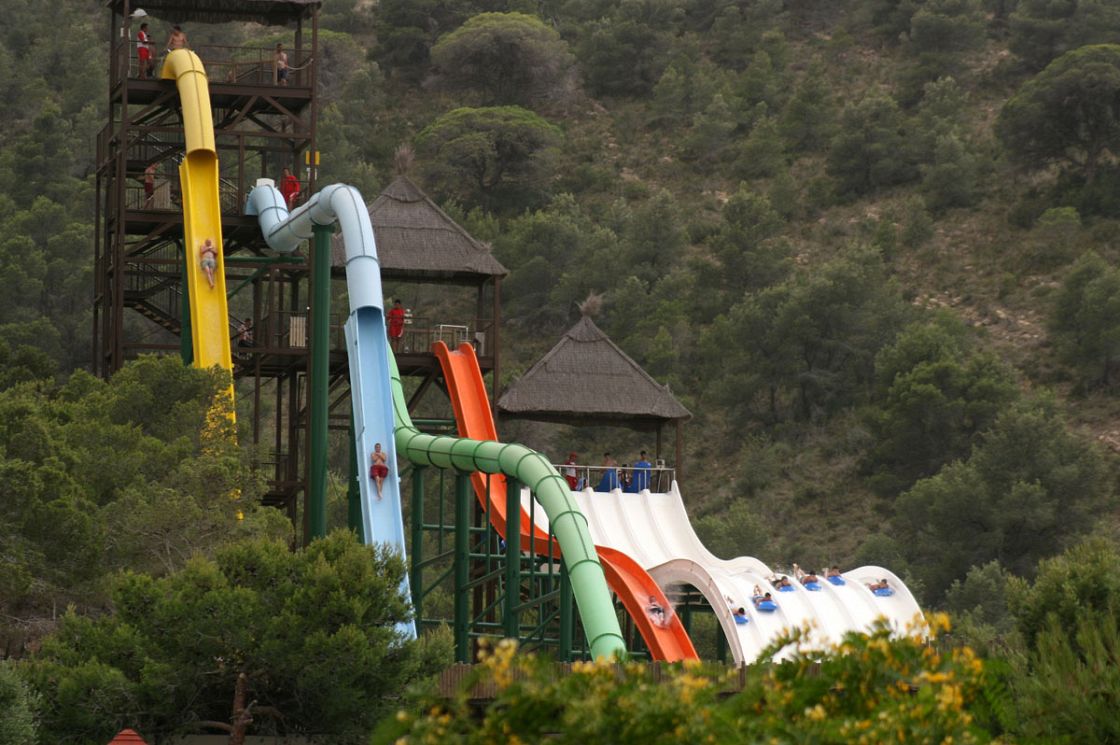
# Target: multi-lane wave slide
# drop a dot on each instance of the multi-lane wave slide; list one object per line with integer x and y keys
{"x": 631, "y": 584}
{"x": 202, "y": 220}
{"x": 381, "y": 415}
{"x": 654, "y": 528}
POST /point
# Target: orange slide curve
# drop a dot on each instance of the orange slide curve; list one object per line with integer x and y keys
{"x": 626, "y": 578}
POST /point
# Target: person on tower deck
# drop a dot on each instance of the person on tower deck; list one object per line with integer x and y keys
{"x": 208, "y": 260}
{"x": 280, "y": 62}
{"x": 609, "y": 480}
{"x": 289, "y": 188}
{"x": 177, "y": 39}
{"x": 395, "y": 316}
{"x": 378, "y": 467}
{"x": 642, "y": 472}
{"x": 144, "y": 52}
{"x": 571, "y": 475}
{"x": 149, "y": 185}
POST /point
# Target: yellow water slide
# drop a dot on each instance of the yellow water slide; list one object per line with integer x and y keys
{"x": 198, "y": 176}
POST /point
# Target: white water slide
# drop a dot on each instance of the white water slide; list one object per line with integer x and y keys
{"x": 655, "y": 531}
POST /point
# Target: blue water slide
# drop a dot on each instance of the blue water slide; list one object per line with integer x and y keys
{"x": 367, "y": 345}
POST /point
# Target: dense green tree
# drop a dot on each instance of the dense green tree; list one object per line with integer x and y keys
{"x": 1081, "y": 580}
{"x": 808, "y": 119}
{"x": 711, "y": 131}
{"x": 979, "y": 604}
{"x": 1085, "y": 322}
{"x": 951, "y": 178}
{"x": 934, "y": 396}
{"x": 101, "y": 475}
{"x": 1068, "y": 692}
{"x": 313, "y": 633}
{"x": 18, "y": 716}
{"x": 942, "y": 35}
{"x": 1028, "y": 488}
{"x": 1042, "y": 30}
{"x": 555, "y": 257}
{"x": 1068, "y": 114}
{"x": 498, "y": 157}
{"x": 407, "y": 29}
{"x": 762, "y": 153}
{"x": 749, "y": 254}
{"x": 625, "y": 54}
{"x": 869, "y": 150}
{"x": 808, "y": 343}
{"x": 508, "y": 58}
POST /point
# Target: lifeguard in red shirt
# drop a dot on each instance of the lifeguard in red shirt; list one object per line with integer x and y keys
{"x": 289, "y": 188}
{"x": 395, "y": 317}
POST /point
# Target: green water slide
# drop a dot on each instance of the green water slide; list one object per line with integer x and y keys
{"x": 568, "y": 524}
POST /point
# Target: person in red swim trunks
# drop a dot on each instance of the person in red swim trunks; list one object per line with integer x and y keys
{"x": 144, "y": 52}
{"x": 395, "y": 317}
{"x": 379, "y": 467}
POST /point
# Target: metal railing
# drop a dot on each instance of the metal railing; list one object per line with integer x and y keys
{"x": 420, "y": 333}
{"x": 224, "y": 64}
{"x": 657, "y": 479}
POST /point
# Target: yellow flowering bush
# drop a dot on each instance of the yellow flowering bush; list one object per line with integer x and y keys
{"x": 871, "y": 688}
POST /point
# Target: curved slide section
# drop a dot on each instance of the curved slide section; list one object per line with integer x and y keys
{"x": 380, "y": 413}
{"x": 655, "y": 530}
{"x": 198, "y": 176}
{"x": 632, "y": 584}
{"x": 589, "y": 584}
{"x": 368, "y": 353}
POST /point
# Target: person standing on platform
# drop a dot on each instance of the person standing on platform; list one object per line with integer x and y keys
{"x": 280, "y": 63}
{"x": 571, "y": 475}
{"x": 177, "y": 39}
{"x": 395, "y": 317}
{"x": 289, "y": 188}
{"x": 144, "y": 52}
{"x": 641, "y": 472}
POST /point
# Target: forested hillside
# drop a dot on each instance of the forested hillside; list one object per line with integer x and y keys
{"x": 871, "y": 244}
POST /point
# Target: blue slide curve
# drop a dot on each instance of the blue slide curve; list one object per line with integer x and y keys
{"x": 372, "y": 369}
{"x": 366, "y": 342}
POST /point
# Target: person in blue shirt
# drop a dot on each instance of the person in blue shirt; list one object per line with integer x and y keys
{"x": 609, "y": 480}
{"x": 641, "y": 472}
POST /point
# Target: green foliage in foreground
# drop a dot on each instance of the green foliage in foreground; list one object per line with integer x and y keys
{"x": 17, "y": 709}
{"x": 132, "y": 473}
{"x": 870, "y": 689}
{"x": 313, "y": 631}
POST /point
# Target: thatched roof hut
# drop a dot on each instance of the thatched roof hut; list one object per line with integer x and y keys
{"x": 416, "y": 240}
{"x": 266, "y": 12}
{"x": 586, "y": 379}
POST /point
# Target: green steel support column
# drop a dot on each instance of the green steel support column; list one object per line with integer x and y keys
{"x": 320, "y": 367}
{"x": 186, "y": 348}
{"x": 463, "y": 494}
{"x": 416, "y": 550}
{"x": 565, "y": 615}
{"x": 354, "y": 491}
{"x": 510, "y": 621}
{"x": 721, "y": 643}
{"x": 686, "y": 616}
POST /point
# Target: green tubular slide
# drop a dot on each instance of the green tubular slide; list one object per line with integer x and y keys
{"x": 589, "y": 584}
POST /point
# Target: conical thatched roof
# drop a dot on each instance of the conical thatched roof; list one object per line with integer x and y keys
{"x": 587, "y": 379}
{"x": 415, "y": 238}
{"x": 267, "y": 12}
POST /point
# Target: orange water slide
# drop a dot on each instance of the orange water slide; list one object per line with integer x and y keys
{"x": 632, "y": 584}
